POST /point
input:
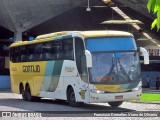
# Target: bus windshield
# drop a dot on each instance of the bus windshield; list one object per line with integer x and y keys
{"x": 115, "y": 68}
{"x": 116, "y": 63}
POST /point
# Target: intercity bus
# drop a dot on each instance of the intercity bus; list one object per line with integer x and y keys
{"x": 150, "y": 72}
{"x": 78, "y": 66}
{"x": 4, "y": 64}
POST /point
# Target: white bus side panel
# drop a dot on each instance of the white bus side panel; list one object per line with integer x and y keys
{"x": 69, "y": 77}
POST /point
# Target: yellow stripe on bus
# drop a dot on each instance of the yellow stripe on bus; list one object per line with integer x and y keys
{"x": 110, "y": 88}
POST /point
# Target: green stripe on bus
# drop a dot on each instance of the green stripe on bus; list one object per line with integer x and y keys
{"x": 56, "y": 75}
{"x": 57, "y": 67}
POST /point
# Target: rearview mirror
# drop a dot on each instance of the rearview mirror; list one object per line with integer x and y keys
{"x": 145, "y": 55}
{"x": 88, "y": 58}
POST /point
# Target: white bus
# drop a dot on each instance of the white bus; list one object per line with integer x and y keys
{"x": 80, "y": 67}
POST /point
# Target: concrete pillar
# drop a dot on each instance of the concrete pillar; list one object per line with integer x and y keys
{"x": 17, "y": 36}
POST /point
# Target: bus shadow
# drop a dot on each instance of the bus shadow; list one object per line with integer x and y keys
{"x": 57, "y": 105}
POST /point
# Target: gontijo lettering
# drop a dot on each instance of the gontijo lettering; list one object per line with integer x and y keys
{"x": 31, "y": 68}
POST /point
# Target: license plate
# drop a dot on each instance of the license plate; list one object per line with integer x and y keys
{"x": 119, "y": 97}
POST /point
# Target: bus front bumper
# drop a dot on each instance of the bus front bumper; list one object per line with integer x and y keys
{"x": 111, "y": 97}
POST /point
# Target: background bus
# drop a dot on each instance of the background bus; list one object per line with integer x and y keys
{"x": 150, "y": 72}
{"x": 80, "y": 67}
{"x": 4, "y": 64}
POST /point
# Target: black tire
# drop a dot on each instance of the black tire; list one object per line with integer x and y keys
{"x": 24, "y": 97}
{"x": 71, "y": 98}
{"x": 28, "y": 94}
{"x": 115, "y": 104}
{"x": 23, "y": 92}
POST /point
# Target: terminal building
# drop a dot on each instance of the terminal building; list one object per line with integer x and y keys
{"x": 24, "y": 20}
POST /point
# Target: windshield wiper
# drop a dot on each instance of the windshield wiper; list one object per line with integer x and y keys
{"x": 123, "y": 72}
{"x": 111, "y": 74}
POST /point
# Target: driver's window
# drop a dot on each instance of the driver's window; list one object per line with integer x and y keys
{"x": 79, "y": 52}
{"x": 80, "y": 58}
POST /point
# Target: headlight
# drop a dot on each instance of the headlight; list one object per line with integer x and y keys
{"x": 137, "y": 88}
{"x": 97, "y": 91}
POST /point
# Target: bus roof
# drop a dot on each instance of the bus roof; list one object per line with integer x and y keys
{"x": 84, "y": 34}
{"x": 104, "y": 33}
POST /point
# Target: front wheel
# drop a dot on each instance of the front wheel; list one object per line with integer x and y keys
{"x": 71, "y": 98}
{"x": 115, "y": 104}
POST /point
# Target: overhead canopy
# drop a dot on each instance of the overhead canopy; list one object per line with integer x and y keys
{"x": 21, "y": 15}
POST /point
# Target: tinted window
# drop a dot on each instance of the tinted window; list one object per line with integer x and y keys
{"x": 54, "y": 50}
{"x": 67, "y": 50}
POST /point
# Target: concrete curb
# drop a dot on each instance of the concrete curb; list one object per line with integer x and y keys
{"x": 146, "y": 102}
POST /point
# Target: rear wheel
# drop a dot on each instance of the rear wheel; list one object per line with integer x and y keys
{"x": 23, "y": 92}
{"x": 115, "y": 104}
{"x": 71, "y": 98}
{"x": 24, "y": 95}
{"x": 28, "y": 94}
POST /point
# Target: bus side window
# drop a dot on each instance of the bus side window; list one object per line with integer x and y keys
{"x": 44, "y": 52}
{"x": 30, "y": 52}
{"x": 17, "y": 57}
{"x": 58, "y": 50}
{"x": 12, "y": 56}
{"x": 47, "y": 55}
{"x": 23, "y": 54}
{"x": 48, "y": 51}
{"x": 55, "y": 50}
{"x": 68, "y": 49}
{"x": 37, "y": 56}
{"x": 23, "y": 58}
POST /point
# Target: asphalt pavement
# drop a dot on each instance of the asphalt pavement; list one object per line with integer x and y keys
{"x": 11, "y": 102}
